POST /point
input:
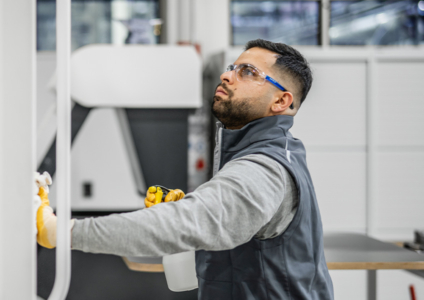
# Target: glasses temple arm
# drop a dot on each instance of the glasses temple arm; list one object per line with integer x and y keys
{"x": 275, "y": 83}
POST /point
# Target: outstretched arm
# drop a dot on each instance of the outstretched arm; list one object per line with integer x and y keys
{"x": 221, "y": 214}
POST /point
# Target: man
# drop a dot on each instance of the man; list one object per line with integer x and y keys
{"x": 255, "y": 225}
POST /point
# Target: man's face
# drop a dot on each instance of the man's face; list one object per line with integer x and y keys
{"x": 237, "y": 103}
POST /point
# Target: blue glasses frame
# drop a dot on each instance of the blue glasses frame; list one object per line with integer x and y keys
{"x": 274, "y": 82}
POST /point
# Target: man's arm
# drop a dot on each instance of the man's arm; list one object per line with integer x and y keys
{"x": 221, "y": 214}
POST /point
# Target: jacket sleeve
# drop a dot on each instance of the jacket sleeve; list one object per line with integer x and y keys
{"x": 221, "y": 214}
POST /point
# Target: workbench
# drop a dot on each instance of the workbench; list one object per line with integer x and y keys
{"x": 352, "y": 251}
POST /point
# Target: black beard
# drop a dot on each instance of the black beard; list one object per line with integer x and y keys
{"x": 233, "y": 114}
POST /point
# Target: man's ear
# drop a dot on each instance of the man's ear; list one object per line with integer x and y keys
{"x": 282, "y": 103}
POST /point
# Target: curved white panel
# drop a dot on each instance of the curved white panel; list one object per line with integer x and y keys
{"x": 137, "y": 76}
{"x": 105, "y": 166}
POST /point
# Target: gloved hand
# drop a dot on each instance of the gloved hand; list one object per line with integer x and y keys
{"x": 154, "y": 196}
{"x": 45, "y": 218}
{"x": 46, "y": 222}
{"x": 40, "y": 180}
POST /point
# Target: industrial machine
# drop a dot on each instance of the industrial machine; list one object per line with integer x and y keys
{"x": 129, "y": 123}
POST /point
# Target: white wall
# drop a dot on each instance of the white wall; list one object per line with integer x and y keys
{"x": 400, "y": 148}
{"x": 17, "y": 149}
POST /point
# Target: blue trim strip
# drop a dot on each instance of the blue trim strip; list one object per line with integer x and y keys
{"x": 274, "y": 82}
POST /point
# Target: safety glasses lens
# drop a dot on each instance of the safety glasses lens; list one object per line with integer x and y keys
{"x": 246, "y": 72}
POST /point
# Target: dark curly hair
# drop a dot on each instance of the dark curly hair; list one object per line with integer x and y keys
{"x": 289, "y": 62}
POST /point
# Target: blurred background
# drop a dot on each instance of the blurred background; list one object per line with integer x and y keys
{"x": 362, "y": 122}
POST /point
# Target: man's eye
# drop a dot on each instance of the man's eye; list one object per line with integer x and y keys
{"x": 248, "y": 71}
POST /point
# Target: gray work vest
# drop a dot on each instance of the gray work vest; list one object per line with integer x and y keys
{"x": 289, "y": 266}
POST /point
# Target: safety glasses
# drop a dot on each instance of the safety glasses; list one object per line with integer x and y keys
{"x": 248, "y": 72}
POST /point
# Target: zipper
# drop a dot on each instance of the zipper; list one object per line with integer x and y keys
{"x": 287, "y": 150}
{"x": 217, "y": 151}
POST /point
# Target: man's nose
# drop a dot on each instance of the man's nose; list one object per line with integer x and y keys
{"x": 227, "y": 77}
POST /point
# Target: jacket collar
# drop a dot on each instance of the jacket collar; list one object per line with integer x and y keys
{"x": 266, "y": 128}
{"x": 283, "y": 121}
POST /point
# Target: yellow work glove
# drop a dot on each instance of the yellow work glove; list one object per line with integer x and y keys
{"x": 46, "y": 222}
{"x": 154, "y": 196}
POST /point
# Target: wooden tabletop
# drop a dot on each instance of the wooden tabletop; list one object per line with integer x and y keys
{"x": 144, "y": 264}
{"x": 343, "y": 251}
{"x": 351, "y": 251}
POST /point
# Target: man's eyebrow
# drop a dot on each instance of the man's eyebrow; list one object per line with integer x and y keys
{"x": 246, "y": 63}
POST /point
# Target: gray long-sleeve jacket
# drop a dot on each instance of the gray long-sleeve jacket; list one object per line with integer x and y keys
{"x": 253, "y": 196}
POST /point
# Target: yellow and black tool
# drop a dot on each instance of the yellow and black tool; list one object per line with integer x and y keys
{"x": 157, "y": 194}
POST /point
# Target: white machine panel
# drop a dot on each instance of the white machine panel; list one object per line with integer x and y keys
{"x": 340, "y": 186}
{"x": 400, "y": 202}
{"x": 137, "y": 76}
{"x": 100, "y": 159}
{"x": 350, "y": 285}
{"x": 334, "y": 112}
{"x": 394, "y": 284}
{"x": 332, "y": 125}
{"x": 401, "y": 103}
